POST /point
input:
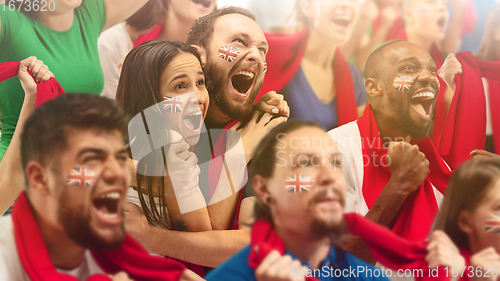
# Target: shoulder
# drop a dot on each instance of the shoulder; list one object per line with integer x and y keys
{"x": 346, "y": 136}
{"x": 235, "y": 268}
{"x": 92, "y": 12}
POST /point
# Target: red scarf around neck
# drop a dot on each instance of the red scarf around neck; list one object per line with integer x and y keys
{"x": 417, "y": 213}
{"x": 465, "y": 125}
{"x": 386, "y": 247}
{"x": 151, "y": 35}
{"x": 45, "y": 91}
{"x": 283, "y": 61}
{"x": 494, "y": 99}
{"x": 130, "y": 257}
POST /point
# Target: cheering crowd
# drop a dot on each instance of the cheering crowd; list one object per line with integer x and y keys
{"x": 176, "y": 140}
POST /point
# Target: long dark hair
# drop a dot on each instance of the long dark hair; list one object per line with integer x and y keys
{"x": 138, "y": 90}
{"x": 467, "y": 188}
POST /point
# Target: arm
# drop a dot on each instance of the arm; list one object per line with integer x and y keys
{"x": 11, "y": 173}
{"x": 452, "y": 39}
{"x": 358, "y": 38}
{"x": 409, "y": 168}
{"x": 119, "y": 10}
{"x": 209, "y": 248}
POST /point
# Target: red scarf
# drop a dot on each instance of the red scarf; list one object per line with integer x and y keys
{"x": 465, "y": 125}
{"x": 385, "y": 246}
{"x": 494, "y": 99}
{"x": 397, "y": 27}
{"x": 151, "y": 35}
{"x": 283, "y": 61}
{"x": 45, "y": 91}
{"x": 131, "y": 257}
{"x": 417, "y": 213}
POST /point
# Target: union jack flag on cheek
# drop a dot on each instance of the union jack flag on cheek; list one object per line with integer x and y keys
{"x": 402, "y": 83}
{"x": 172, "y": 104}
{"x": 265, "y": 67}
{"x": 81, "y": 176}
{"x": 228, "y": 53}
{"x": 492, "y": 224}
{"x": 299, "y": 183}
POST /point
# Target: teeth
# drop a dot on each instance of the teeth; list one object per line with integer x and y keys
{"x": 249, "y": 74}
{"x": 428, "y": 95}
{"x": 109, "y": 215}
{"x": 196, "y": 114}
{"x": 111, "y": 195}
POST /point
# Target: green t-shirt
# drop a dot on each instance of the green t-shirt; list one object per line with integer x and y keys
{"x": 71, "y": 55}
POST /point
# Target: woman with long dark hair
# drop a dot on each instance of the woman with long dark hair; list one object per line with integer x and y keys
{"x": 470, "y": 217}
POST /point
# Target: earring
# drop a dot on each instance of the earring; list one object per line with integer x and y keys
{"x": 269, "y": 199}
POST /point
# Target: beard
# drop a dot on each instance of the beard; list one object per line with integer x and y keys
{"x": 216, "y": 84}
{"x": 321, "y": 228}
{"x": 405, "y": 122}
{"x": 77, "y": 224}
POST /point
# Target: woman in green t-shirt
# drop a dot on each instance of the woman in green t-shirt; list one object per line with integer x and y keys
{"x": 61, "y": 33}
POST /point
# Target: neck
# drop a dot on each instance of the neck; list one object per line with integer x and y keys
{"x": 305, "y": 246}
{"x": 63, "y": 251}
{"x": 175, "y": 28}
{"x": 388, "y": 131}
{"x": 216, "y": 117}
{"x": 414, "y": 38}
{"x": 56, "y": 22}
{"x": 317, "y": 54}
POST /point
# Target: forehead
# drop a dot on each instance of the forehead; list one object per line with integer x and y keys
{"x": 109, "y": 141}
{"x": 313, "y": 141}
{"x": 182, "y": 63}
{"x": 399, "y": 52}
{"x": 232, "y": 24}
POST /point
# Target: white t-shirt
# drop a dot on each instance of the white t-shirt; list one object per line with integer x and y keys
{"x": 348, "y": 139}
{"x": 10, "y": 265}
{"x": 114, "y": 44}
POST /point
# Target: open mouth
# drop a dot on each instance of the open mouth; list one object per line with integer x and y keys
{"x": 242, "y": 81}
{"x": 422, "y": 103}
{"x": 193, "y": 122}
{"x": 441, "y": 22}
{"x": 342, "y": 21}
{"x": 107, "y": 205}
{"x": 203, "y": 3}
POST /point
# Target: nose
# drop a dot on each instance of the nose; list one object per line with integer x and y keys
{"x": 114, "y": 172}
{"x": 200, "y": 98}
{"x": 427, "y": 76}
{"x": 254, "y": 55}
{"x": 326, "y": 174}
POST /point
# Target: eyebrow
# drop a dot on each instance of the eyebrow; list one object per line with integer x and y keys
{"x": 415, "y": 59}
{"x": 178, "y": 77}
{"x": 90, "y": 150}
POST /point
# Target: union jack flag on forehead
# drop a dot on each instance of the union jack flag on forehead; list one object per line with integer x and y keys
{"x": 172, "y": 104}
{"x": 228, "y": 53}
{"x": 82, "y": 176}
{"x": 402, "y": 83}
{"x": 492, "y": 224}
{"x": 298, "y": 183}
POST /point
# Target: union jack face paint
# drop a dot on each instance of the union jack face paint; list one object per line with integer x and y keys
{"x": 492, "y": 224}
{"x": 172, "y": 104}
{"x": 402, "y": 83}
{"x": 299, "y": 183}
{"x": 81, "y": 176}
{"x": 228, "y": 53}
